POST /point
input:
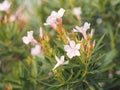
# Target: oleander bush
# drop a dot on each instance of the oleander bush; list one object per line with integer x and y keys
{"x": 59, "y": 45}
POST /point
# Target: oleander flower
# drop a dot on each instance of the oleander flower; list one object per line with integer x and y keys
{"x": 5, "y": 5}
{"x": 72, "y": 49}
{"x": 60, "y": 61}
{"x": 54, "y": 18}
{"x": 77, "y": 12}
{"x": 29, "y": 38}
{"x": 82, "y": 29}
{"x": 36, "y": 51}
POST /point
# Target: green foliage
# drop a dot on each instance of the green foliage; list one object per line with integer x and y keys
{"x": 24, "y": 72}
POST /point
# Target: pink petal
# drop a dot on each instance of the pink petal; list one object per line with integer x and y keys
{"x": 5, "y": 5}
{"x": 84, "y": 34}
{"x": 36, "y": 50}
{"x": 77, "y": 46}
{"x": 26, "y": 40}
{"x": 30, "y": 34}
{"x": 66, "y": 62}
{"x": 50, "y": 20}
{"x": 72, "y": 44}
{"x": 53, "y": 13}
{"x": 77, "y": 27}
{"x": 81, "y": 29}
{"x": 70, "y": 54}
{"x": 57, "y": 65}
{"x": 67, "y": 48}
{"x": 77, "y": 53}
{"x": 75, "y": 30}
{"x": 86, "y": 26}
{"x": 61, "y": 13}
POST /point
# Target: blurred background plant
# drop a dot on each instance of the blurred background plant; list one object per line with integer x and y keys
{"x": 20, "y": 71}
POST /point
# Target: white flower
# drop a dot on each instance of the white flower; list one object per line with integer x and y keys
{"x": 5, "y": 5}
{"x": 72, "y": 49}
{"x": 29, "y": 38}
{"x": 36, "y": 50}
{"x": 82, "y": 29}
{"x": 77, "y": 11}
{"x": 52, "y": 19}
{"x": 59, "y": 62}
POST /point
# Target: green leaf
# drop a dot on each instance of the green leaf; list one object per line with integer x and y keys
{"x": 109, "y": 57}
{"x": 99, "y": 42}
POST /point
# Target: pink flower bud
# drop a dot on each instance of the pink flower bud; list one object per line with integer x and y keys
{"x": 41, "y": 32}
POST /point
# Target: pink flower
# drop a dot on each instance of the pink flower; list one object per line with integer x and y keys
{"x": 54, "y": 18}
{"x": 59, "y": 62}
{"x": 29, "y": 38}
{"x": 5, "y": 5}
{"x": 77, "y": 12}
{"x": 72, "y": 49}
{"x": 82, "y": 29}
{"x": 36, "y": 50}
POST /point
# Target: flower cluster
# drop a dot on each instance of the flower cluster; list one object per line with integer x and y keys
{"x": 55, "y": 18}
{"x": 36, "y": 50}
{"x": 72, "y": 47}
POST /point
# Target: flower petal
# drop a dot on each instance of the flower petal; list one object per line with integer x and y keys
{"x": 36, "y": 50}
{"x": 70, "y": 54}
{"x": 72, "y": 44}
{"x": 61, "y": 60}
{"x": 66, "y": 62}
{"x": 86, "y": 26}
{"x": 30, "y": 34}
{"x": 67, "y": 48}
{"x": 57, "y": 65}
{"x": 77, "y": 46}
{"x": 77, "y": 27}
{"x": 57, "y": 59}
{"x": 77, "y": 53}
{"x": 26, "y": 40}
{"x": 61, "y": 13}
{"x": 5, "y": 5}
{"x": 53, "y": 13}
